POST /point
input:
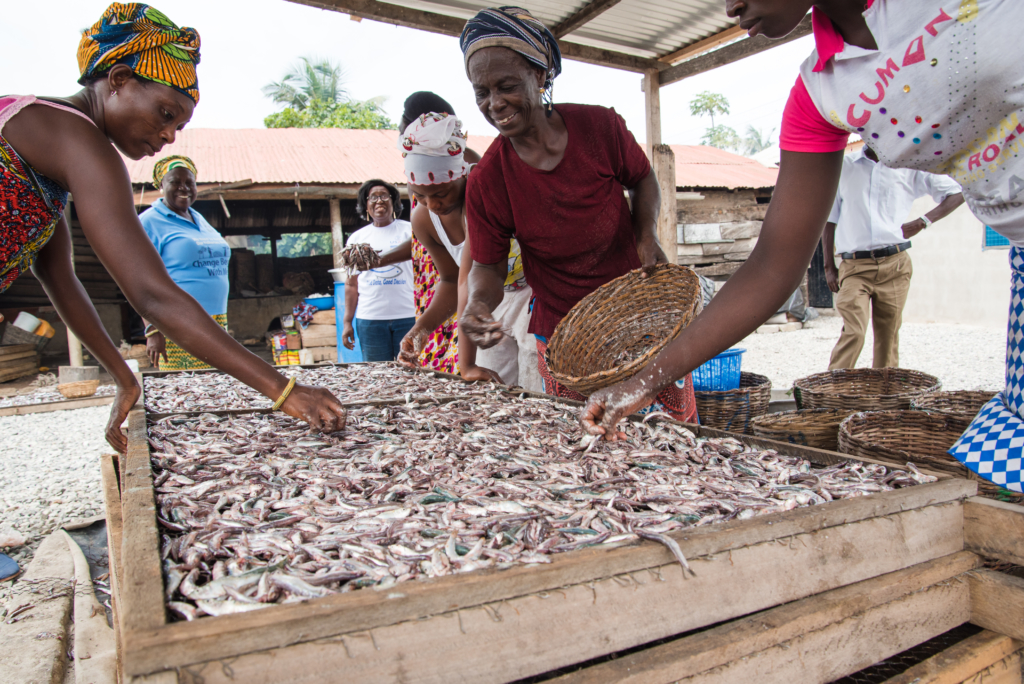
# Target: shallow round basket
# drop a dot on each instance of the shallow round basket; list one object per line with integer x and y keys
{"x": 863, "y": 389}
{"x": 818, "y": 428}
{"x": 615, "y": 330}
{"x": 962, "y": 403}
{"x": 77, "y": 390}
{"x": 732, "y": 410}
{"x": 918, "y": 437}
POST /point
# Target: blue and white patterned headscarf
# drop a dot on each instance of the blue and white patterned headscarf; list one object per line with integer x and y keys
{"x": 518, "y": 30}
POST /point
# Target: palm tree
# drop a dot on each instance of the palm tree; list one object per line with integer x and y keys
{"x": 312, "y": 79}
{"x": 756, "y": 141}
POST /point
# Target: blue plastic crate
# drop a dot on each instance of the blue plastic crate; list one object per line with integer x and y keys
{"x": 721, "y": 373}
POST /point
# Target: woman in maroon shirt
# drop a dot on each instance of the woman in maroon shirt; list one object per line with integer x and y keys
{"x": 553, "y": 180}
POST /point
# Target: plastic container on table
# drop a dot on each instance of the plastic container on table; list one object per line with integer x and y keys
{"x": 345, "y": 355}
{"x": 720, "y": 374}
{"x": 321, "y": 303}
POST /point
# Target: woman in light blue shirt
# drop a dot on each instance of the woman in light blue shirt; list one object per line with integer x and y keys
{"x": 194, "y": 253}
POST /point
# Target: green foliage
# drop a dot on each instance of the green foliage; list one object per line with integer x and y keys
{"x": 311, "y": 79}
{"x": 709, "y": 104}
{"x": 295, "y": 245}
{"x": 721, "y": 137}
{"x": 319, "y": 114}
{"x": 315, "y": 98}
{"x": 756, "y": 141}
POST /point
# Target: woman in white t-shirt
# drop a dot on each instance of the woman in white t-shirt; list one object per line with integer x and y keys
{"x": 380, "y": 301}
{"x": 928, "y": 85}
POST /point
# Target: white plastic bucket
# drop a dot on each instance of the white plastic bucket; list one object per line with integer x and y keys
{"x": 26, "y": 322}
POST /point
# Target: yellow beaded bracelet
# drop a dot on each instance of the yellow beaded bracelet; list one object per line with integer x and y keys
{"x": 284, "y": 395}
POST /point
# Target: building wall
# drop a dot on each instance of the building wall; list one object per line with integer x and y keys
{"x": 954, "y": 280}
{"x": 717, "y": 233}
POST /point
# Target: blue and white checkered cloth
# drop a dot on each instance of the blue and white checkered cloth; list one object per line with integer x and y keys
{"x": 993, "y": 446}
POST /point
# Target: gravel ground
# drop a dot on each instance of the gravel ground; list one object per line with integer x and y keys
{"x": 49, "y": 474}
{"x": 961, "y": 356}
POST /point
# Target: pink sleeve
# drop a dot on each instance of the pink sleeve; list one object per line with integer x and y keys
{"x": 804, "y": 129}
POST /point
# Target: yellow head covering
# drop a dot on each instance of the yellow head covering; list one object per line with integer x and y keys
{"x": 162, "y": 167}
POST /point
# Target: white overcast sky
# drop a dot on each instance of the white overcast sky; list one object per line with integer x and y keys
{"x": 247, "y": 43}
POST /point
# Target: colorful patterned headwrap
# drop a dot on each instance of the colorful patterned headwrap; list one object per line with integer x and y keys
{"x": 144, "y": 39}
{"x": 518, "y": 30}
{"x": 164, "y": 166}
{"x": 433, "y": 149}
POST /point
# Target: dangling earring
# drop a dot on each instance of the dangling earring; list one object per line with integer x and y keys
{"x": 113, "y": 93}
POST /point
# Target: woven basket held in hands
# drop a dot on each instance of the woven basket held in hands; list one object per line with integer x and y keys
{"x": 863, "y": 389}
{"x": 78, "y": 390}
{"x": 962, "y": 403}
{"x": 818, "y": 428}
{"x": 920, "y": 437}
{"x": 615, "y": 330}
{"x": 732, "y": 410}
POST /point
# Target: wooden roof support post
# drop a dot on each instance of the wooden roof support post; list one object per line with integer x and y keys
{"x": 664, "y": 164}
{"x": 75, "y": 357}
{"x": 337, "y": 234}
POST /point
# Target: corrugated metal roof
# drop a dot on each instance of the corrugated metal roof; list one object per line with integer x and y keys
{"x": 287, "y": 155}
{"x": 699, "y": 166}
{"x": 339, "y": 155}
{"x": 644, "y": 28}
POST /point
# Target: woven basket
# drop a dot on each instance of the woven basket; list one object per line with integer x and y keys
{"x": 818, "y": 428}
{"x": 732, "y": 409}
{"x": 962, "y": 403}
{"x": 920, "y": 437}
{"x": 615, "y": 330}
{"x": 863, "y": 389}
{"x": 77, "y": 390}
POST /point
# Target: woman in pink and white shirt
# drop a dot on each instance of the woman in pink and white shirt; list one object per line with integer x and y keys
{"x": 929, "y": 85}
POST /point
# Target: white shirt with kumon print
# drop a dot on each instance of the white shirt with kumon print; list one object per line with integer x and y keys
{"x": 943, "y": 93}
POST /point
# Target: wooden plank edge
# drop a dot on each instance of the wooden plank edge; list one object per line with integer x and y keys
{"x": 997, "y": 602}
{"x": 112, "y": 506}
{"x": 141, "y": 590}
{"x": 350, "y": 612}
{"x": 994, "y": 529}
{"x": 741, "y": 638}
{"x": 960, "y": 661}
{"x": 538, "y": 633}
{"x": 46, "y": 407}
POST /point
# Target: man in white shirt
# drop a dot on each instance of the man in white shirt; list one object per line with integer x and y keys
{"x": 866, "y": 229}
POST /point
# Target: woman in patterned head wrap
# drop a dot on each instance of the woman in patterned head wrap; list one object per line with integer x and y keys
{"x": 433, "y": 149}
{"x": 138, "y": 72}
{"x": 194, "y": 253}
{"x": 554, "y": 179}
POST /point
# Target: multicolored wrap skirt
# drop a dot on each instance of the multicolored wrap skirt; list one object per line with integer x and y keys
{"x": 677, "y": 400}
{"x": 441, "y": 350}
{"x": 179, "y": 359}
{"x": 993, "y": 446}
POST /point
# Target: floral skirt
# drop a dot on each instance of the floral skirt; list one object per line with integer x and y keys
{"x": 441, "y": 351}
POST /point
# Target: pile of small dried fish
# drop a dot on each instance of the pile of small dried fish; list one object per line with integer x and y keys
{"x": 254, "y": 510}
{"x": 194, "y": 392}
{"x": 359, "y": 257}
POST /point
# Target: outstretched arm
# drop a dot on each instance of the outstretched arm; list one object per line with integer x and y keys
{"x": 74, "y": 153}
{"x": 800, "y": 206}
{"x": 56, "y": 273}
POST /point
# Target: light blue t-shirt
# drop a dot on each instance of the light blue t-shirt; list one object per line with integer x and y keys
{"x": 194, "y": 254}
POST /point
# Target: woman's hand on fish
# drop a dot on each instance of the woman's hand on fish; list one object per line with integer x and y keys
{"x": 124, "y": 400}
{"x": 474, "y": 373}
{"x": 316, "y": 406}
{"x": 606, "y": 407}
{"x": 411, "y": 346}
{"x": 478, "y": 323}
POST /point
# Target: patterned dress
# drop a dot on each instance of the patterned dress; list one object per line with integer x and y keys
{"x": 179, "y": 359}
{"x": 30, "y": 203}
{"x": 441, "y": 351}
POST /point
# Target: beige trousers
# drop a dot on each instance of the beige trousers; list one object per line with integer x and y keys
{"x": 875, "y": 289}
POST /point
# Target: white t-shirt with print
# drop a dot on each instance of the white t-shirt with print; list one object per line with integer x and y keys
{"x": 385, "y": 293}
{"x": 943, "y": 93}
